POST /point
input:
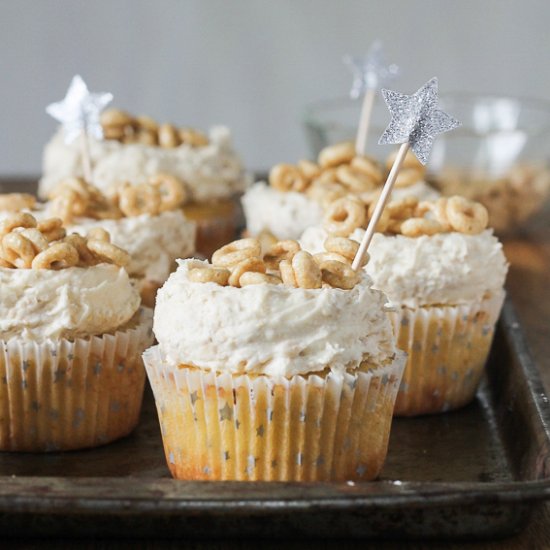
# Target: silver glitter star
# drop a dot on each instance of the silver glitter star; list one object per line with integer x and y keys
{"x": 79, "y": 111}
{"x": 416, "y": 119}
{"x": 369, "y": 72}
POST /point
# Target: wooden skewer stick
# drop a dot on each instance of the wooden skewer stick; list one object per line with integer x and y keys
{"x": 364, "y": 122}
{"x": 86, "y": 158}
{"x": 380, "y": 205}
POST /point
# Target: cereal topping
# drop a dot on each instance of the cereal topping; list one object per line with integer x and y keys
{"x": 28, "y": 244}
{"x": 121, "y": 126}
{"x": 340, "y": 172}
{"x": 73, "y": 197}
{"x": 14, "y": 202}
{"x": 245, "y": 262}
{"x": 407, "y": 216}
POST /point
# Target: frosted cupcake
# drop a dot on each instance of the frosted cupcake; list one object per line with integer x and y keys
{"x": 444, "y": 273}
{"x": 71, "y": 338}
{"x": 146, "y": 220}
{"x": 298, "y": 195}
{"x": 287, "y": 370}
{"x": 136, "y": 149}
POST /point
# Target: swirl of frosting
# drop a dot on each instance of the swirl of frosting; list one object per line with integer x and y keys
{"x": 41, "y": 304}
{"x": 270, "y": 329}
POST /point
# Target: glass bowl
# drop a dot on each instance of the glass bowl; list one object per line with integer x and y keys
{"x": 500, "y": 155}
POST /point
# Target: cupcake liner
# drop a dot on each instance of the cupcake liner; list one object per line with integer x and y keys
{"x": 224, "y": 427}
{"x": 61, "y": 395}
{"x": 447, "y": 348}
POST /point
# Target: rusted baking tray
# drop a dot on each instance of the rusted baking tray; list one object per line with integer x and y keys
{"x": 477, "y": 472}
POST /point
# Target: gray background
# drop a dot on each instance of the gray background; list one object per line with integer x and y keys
{"x": 251, "y": 64}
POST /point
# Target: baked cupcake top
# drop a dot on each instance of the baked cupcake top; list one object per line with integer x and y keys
{"x": 137, "y": 148}
{"x": 275, "y": 312}
{"x": 431, "y": 253}
{"x": 146, "y": 220}
{"x": 54, "y": 285}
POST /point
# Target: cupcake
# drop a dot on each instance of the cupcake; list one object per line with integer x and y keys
{"x": 146, "y": 220}
{"x": 136, "y": 149}
{"x": 285, "y": 370}
{"x": 298, "y": 195}
{"x": 443, "y": 272}
{"x": 71, "y": 337}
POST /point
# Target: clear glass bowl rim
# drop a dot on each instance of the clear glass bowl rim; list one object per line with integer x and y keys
{"x": 534, "y": 103}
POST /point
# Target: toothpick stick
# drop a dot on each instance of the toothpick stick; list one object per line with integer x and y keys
{"x": 86, "y": 157}
{"x": 364, "y": 122}
{"x": 380, "y": 205}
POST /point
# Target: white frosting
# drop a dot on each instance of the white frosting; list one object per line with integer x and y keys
{"x": 286, "y": 215}
{"x": 153, "y": 242}
{"x": 270, "y": 329}
{"x": 210, "y": 172}
{"x": 40, "y": 304}
{"x": 446, "y": 268}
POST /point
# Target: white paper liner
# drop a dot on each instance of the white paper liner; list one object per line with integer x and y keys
{"x": 224, "y": 427}
{"x": 447, "y": 349}
{"x": 63, "y": 395}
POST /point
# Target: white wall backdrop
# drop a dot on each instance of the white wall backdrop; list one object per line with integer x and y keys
{"x": 251, "y": 64}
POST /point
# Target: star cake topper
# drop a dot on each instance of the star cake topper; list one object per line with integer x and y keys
{"x": 79, "y": 111}
{"x": 416, "y": 119}
{"x": 370, "y": 72}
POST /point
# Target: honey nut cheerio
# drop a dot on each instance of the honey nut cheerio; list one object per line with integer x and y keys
{"x": 408, "y": 217}
{"x": 298, "y": 196}
{"x": 60, "y": 288}
{"x": 26, "y": 243}
{"x": 244, "y": 262}
{"x": 124, "y": 127}
{"x": 73, "y": 197}
{"x": 429, "y": 262}
{"x": 16, "y": 202}
{"x": 267, "y": 326}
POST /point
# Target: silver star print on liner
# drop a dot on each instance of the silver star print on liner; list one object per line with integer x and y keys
{"x": 416, "y": 119}
{"x": 79, "y": 111}
{"x": 369, "y": 72}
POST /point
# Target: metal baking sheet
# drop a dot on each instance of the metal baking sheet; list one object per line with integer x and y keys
{"x": 476, "y": 472}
